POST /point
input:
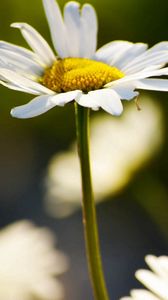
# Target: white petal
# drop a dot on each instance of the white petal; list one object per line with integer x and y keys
{"x": 111, "y": 51}
{"x": 126, "y": 91}
{"x": 36, "y": 107}
{"x": 156, "y": 266}
{"x": 88, "y": 32}
{"x": 140, "y": 75}
{"x": 109, "y": 100}
{"x": 72, "y": 21}
{"x": 17, "y": 49}
{"x": 36, "y": 42}
{"x": 63, "y": 98}
{"x": 57, "y": 27}
{"x": 160, "y": 58}
{"x": 126, "y": 298}
{"x": 22, "y": 64}
{"x": 129, "y": 55}
{"x": 81, "y": 28}
{"x": 22, "y": 82}
{"x": 153, "y": 282}
{"x": 149, "y": 73}
{"x": 18, "y": 88}
{"x": 87, "y": 101}
{"x": 42, "y": 104}
{"x": 163, "y": 261}
{"x": 142, "y": 295}
{"x": 162, "y": 46}
{"x": 155, "y": 51}
{"x": 153, "y": 84}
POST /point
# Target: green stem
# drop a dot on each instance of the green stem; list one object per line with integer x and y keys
{"x": 89, "y": 212}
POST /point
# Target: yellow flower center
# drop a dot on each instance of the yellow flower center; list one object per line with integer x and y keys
{"x": 79, "y": 74}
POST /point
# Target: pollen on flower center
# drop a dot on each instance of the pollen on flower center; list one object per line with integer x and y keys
{"x": 79, "y": 74}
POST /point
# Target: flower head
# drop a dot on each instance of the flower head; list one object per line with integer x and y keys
{"x": 156, "y": 281}
{"x": 29, "y": 263}
{"x": 77, "y": 71}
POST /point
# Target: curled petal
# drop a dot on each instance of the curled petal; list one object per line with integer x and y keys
{"x": 36, "y": 42}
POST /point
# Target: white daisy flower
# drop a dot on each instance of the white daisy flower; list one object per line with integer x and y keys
{"x": 156, "y": 281}
{"x": 131, "y": 142}
{"x": 77, "y": 71}
{"x": 29, "y": 263}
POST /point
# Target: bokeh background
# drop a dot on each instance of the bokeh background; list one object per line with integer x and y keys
{"x": 134, "y": 221}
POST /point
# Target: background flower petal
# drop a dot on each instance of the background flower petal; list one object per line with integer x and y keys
{"x": 153, "y": 283}
{"x": 141, "y": 294}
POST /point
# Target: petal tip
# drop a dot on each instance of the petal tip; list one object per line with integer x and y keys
{"x": 117, "y": 113}
{"x": 15, "y": 25}
{"x": 89, "y": 6}
{"x": 12, "y": 112}
{"x": 73, "y": 4}
{"x": 16, "y": 114}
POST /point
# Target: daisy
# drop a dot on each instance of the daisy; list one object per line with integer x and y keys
{"x": 29, "y": 264}
{"x": 156, "y": 281}
{"x": 77, "y": 71}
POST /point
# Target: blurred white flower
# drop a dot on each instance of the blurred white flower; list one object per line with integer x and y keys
{"x": 118, "y": 148}
{"x": 29, "y": 263}
{"x": 156, "y": 280}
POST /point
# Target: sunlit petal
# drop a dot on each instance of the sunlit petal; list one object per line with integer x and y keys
{"x": 88, "y": 34}
{"x": 36, "y": 42}
{"x": 57, "y": 27}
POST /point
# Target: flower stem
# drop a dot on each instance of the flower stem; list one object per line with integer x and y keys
{"x": 89, "y": 212}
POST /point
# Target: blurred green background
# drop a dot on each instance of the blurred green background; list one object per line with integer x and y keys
{"x": 132, "y": 224}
